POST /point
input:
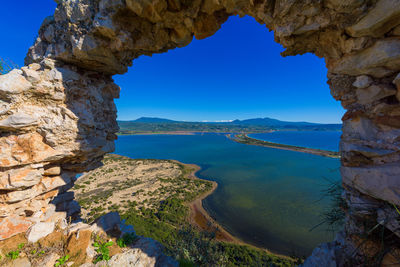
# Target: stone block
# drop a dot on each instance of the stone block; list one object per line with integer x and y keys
{"x": 18, "y": 121}
{"x": 362, "y": 81}
{"x": 379, "y": 60}
{"x": 11, "y": 226}
{"x": 381, "y": 182}
{"x": 378, "y": 21}
{"x": 40, "y": 230}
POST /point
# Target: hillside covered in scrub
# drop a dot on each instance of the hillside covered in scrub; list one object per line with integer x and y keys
{"x": 154, "y": 196}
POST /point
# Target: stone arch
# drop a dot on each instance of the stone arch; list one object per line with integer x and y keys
{"x": 57, "y": 116}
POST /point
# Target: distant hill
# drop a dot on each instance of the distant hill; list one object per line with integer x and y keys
{"x": 153, "y": 120}
{"x": 272, "y": 122}
{"x": 154, "y": 125}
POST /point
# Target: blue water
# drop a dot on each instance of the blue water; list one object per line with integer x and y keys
{"x": 327, "y": 140}
{"x": 265, "y": 196}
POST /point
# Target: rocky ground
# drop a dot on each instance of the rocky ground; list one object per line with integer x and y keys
{"x": 78, "y": 244}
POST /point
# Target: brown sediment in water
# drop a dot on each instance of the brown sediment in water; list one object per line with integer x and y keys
{"x": 201, "y": 219}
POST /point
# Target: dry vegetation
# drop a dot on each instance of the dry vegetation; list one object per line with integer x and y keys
{"x": 124, "y": 183}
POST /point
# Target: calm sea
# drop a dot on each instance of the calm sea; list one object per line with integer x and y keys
{"x": 327, "y": 140}
{"x": 268, "y": 197}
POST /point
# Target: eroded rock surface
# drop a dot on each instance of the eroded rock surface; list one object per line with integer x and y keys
{"x": 59, "y": 121}
{"x": 57, "y": 113}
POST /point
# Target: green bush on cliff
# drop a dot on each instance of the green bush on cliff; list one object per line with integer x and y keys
{"x": 190, "y": 246}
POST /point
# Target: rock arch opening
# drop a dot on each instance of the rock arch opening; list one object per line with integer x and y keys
{"x": 58, "y": 115}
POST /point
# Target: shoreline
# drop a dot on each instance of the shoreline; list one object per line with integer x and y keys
{"x": 202, "y": 220}
{"x": 245, "y": 139}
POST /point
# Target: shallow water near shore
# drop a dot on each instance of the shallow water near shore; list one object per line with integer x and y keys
{"x": 267, "y": 197}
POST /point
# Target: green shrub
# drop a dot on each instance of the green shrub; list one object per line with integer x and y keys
{"x": 61, "y": 261}
{"x": 14, "y": 254}
{"x": 102, "y": 249}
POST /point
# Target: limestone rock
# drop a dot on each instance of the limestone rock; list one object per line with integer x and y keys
{"x": 378, "y": 181}
{"x": 51, "y": 171}
{"x": 20, "y": 178}
{"x": 362, "y": 81}
{"x": 373, "y": 93}
{"x": 11, "y": 226}
{"x": 13, "y": 83}
{"x": 18, "y": 121}
{"x": 145, "y": 252}
{"x": 40, "y": 230}
{"x": 31, "y": 75}
{"x": 25, "y": 149}
{"x": 20, "y": 262}
{"x": 141, "y": 258}
{"x": 383, "y": 17}
{"x": 379, "y": 60}
{"x": 48, "y": 260}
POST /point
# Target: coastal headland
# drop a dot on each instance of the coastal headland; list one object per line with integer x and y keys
{"x": 162, "y": 199}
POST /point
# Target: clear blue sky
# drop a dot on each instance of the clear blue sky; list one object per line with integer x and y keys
{"x": 237, "y": 73}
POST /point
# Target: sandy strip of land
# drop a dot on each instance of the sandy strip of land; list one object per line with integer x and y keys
{"x": 245, "y": 139}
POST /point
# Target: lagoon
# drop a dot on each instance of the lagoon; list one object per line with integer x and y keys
{"x": 267, "y": 197}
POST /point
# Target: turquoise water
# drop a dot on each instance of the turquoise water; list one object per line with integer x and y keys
{"x": 327, "y": 140}
{"x": 267, "y": 197}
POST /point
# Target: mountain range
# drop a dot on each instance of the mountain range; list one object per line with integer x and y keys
{"x": 153, "y": 124}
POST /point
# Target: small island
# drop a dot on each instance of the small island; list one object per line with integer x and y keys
{"x": 245, "y": 139}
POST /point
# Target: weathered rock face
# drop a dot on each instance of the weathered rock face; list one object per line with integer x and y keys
{"x": 57, "y": 115}
{"x": 58, "y": 121}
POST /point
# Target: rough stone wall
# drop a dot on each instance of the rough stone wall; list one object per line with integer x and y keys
{"x": 73, "y": 126}
{"x": 55, "y": 122}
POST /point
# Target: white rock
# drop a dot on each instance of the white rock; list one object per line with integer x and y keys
{"x": 4, "y": 107}
{"x": 34, "y": 66}
{"x": 146, "y": 252}
{"x": 40, "y": 230}
{"x": 18, "y": 121}
{"x": 31, "y": 75}
{"x": 13, "y": 83}
{"x": 362, "y": 81}
{"x": 381, "y": 182}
